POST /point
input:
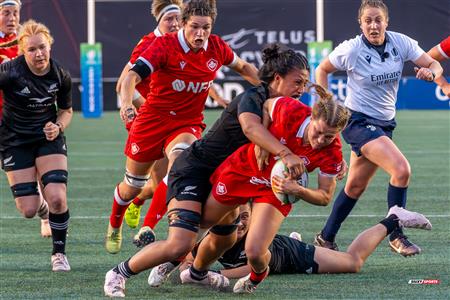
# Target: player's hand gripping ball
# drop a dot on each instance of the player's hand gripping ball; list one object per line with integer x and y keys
{"x": 279, "y": 169}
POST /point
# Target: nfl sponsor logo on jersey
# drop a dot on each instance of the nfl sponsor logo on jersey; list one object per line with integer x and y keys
{"x": 221, "y": 189}
{"x": 212, "y": 64}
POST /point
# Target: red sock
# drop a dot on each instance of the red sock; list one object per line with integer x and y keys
{"x": 118, "y": 210}
{"x": 158, "y": 207}
{"x": 139, "y": 202}
{"x": 256, "y": 278}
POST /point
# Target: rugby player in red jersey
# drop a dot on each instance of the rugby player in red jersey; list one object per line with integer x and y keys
{"x": 9, "y": 23}
{"x": 312, "y": 134}
{"x": 182, "y": 67}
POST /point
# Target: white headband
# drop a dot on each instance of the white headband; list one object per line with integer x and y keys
{"x": 165, "y": 10}
{"x": 10, "y": 2}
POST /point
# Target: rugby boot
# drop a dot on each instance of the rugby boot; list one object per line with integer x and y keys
{"x": 113, "y": 241}
{"x": 114, "y": 285}
{"x": 144, "y": 237}
{"x": 212, "y": 279}
{"x": 60, "y": 263}
{"x": 133, "y": 215}
{"x": 160, "y": 274}
{"x": 321, "y": 242}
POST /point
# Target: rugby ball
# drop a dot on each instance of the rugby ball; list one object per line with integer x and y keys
{"x": 278, "y": 169}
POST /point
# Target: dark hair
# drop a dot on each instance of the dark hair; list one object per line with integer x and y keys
{"x": 206, "y": 8}
{"x": 279, "y": 59}
{"x": 373, "y": 3}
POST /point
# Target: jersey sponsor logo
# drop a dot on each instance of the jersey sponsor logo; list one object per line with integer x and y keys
{"x": 386, "y": 78}
{"x": 194, "y": 87}
{"x": 25, "y": 90}
{"x": 283, "y": 141}
{"x": 188, "y": 190}
{"x": 134, "y": 148}
{"x": 257, "y": 181}
{"x": 53, "y": 88}
{"x": 368, "y": 58}
{"x": 221, "y": 188}
{"x": 309, "y": 271}
{"x": 371, "y": 127}
{"x": 212, "y": 64}
{"x": 182, "y": 64}
{"x": 7, "y": 162}
{"x": 40, "y": 100}
{"x": 194, "y": 130}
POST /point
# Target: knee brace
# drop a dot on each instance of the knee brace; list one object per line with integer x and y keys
{"x": 179, "y": 147}
{"x": 184, "y": 218}
{"x": 136, "y": 181}
{"x": 24, "y": 189}
{"x": 54, "y": 176}
{"x": 226, "y": 229}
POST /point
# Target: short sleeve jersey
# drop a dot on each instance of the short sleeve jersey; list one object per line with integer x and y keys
{"x": 143, "y": 87}
{"x": 444, "y": 47}
{"x": 226, "y": 135}
{"x": 31, "y": 101}
{"x": 8, "y": 47}
{"x": 181, "y": 78}
{"x": 290, "y": 118}
{"x": 373, "y": 80}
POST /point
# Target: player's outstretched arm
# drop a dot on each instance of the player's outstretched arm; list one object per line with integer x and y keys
{"x": 248, "y": 71}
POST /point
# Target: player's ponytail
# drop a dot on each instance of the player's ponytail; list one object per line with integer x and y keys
{"x": 205, "y": 8}
{"x": 325, "y": 108}
{"x": 279, "y": 59}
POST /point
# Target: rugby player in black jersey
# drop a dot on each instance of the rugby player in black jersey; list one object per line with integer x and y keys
{"x": 292, "y": 256}
{"x": 37, "y": 109}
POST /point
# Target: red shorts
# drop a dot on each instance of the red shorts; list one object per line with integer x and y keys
{"x": 232, "y": 188}
{"x": 151, "y": 133}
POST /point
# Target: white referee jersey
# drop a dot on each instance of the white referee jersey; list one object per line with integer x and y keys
{"x": 373, "y": 80}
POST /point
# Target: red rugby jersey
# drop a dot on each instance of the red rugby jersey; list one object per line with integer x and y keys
{"x": 8, "y": 51}
{"x": 444, "y": 47}
{"x": 289, "y": 120}
{"x": 144, "y": 86}
{"x": 181, "y": 78}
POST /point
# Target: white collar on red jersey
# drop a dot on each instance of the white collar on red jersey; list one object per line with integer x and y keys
{"x": 184, "y": 44}
{"x": 301, "y": 130}
{"x": 157, "y": 32}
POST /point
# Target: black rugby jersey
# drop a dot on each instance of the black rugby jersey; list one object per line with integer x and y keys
{"x": 226, "y": 136}
{"x": 30, "y": 101}
{"x": 288, "y": 255}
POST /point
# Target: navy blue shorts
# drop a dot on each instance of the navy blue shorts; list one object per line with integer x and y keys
{"x": 362, "y": 129}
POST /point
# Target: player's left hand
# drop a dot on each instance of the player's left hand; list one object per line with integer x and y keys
{"x": 51, "y": 131}
{"x": 262, "y": 157}
{"x": 424, "y": 74}
{"x": 285, "y": 185}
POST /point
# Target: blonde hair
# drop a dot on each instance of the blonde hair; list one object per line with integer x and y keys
{"x": 327, "y": 109}
{"x": 159, "y": 5}
{"x": 30, "y": 28}
{"x": 375, "y": 4}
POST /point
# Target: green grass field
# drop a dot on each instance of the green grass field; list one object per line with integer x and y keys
{"x": 96, "y": 164}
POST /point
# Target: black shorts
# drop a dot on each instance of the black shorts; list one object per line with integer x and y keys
{"x": 24, "y": 156}
{"x": 189, "y": 178}
{"x": 362, "y": 129}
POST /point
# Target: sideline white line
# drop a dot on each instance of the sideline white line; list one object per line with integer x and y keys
{"x": 5, "y": 217}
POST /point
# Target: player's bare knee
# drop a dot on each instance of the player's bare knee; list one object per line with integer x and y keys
{"x": 254, "y": 253}
{"x": 28, "y": 212}
{"x": 57, "y": 203}
{"x": 401, "y": 175}
{"x": 355, "y": 189}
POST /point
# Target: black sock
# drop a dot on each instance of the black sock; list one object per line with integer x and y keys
{"x": 391, "y": 223}
{"x": 196, "y": 274}
{"x": 59, "y": 224}
{"x": 396, "y": 196}
{"x": 175, "y": 262}
{"x": 124, "y": 269}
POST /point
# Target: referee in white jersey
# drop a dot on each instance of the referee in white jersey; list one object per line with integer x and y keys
{"x": 374, "y": 62}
